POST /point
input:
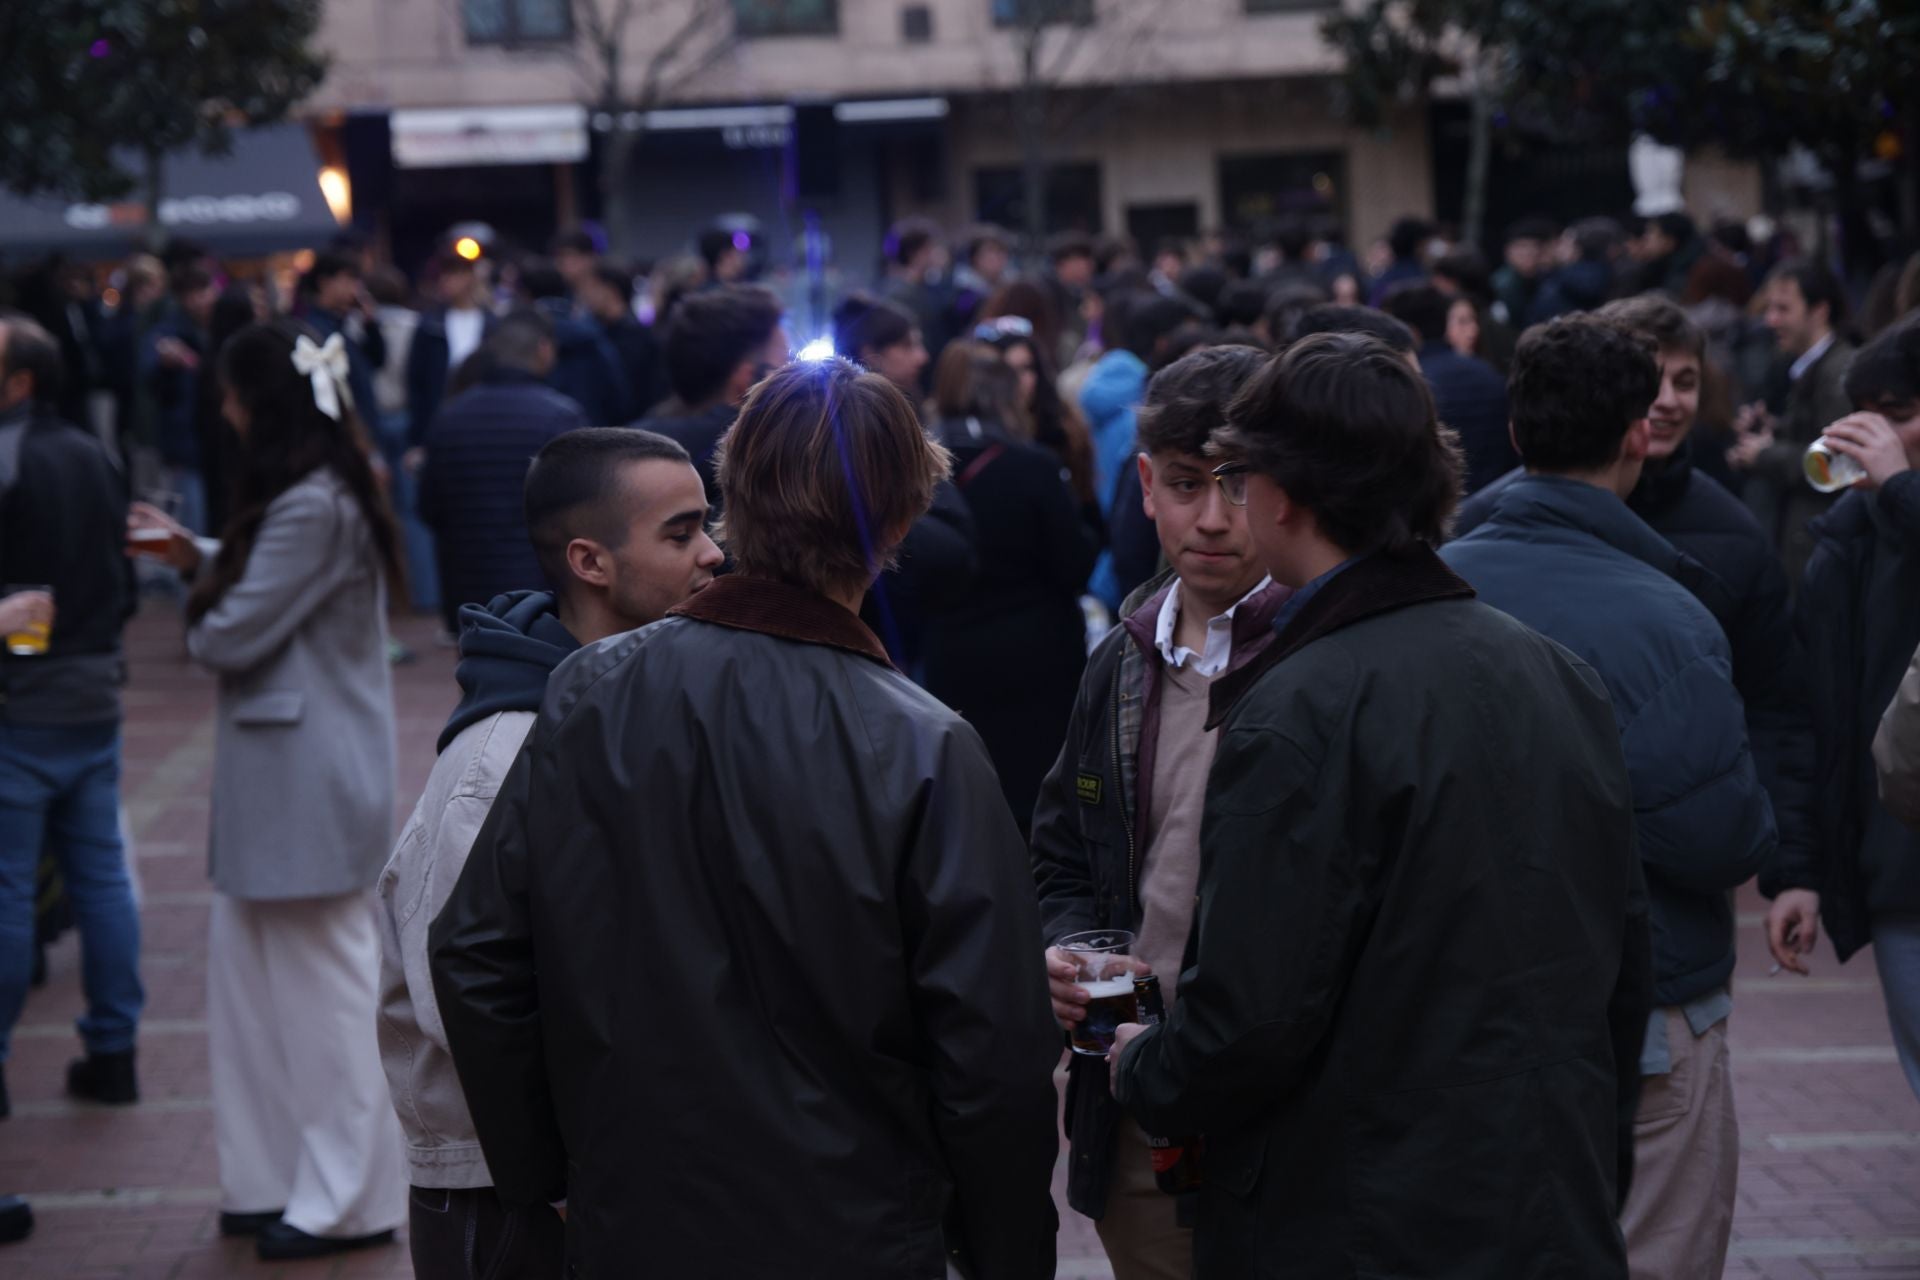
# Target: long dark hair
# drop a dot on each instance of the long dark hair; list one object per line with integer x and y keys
{"x": 1057, "y": 425}
{"x": 287, "y": 439}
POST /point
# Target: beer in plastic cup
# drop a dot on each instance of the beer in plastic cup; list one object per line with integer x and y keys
{"x": 1106, "y": 973}
{"x": 31, "y": 640}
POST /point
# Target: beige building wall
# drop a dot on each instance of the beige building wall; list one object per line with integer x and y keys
{"x": 1165, "y": 147}
{"x": 414, "y": 53}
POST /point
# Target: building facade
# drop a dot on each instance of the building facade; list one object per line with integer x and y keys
{"x": 819, "y": 122}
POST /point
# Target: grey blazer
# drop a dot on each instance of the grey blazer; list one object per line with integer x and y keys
{"x": 304, "y": 757}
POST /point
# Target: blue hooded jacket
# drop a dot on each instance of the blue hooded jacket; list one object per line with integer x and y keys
{"x": 507, "y": 651}
{"x": 1573, "y": 562}
{"x": 1110, "y": 399}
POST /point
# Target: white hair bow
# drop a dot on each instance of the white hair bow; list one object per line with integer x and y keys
{"x": 326, "y": 364}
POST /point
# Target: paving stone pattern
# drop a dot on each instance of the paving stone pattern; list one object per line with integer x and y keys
{"x": 1829, "y": 1182}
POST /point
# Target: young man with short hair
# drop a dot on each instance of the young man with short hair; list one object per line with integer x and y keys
{"x": 719, "y": 344}
{"x": 586, "y": 368}
{"x": 751, "y": 901}
{"x": 1744, "y": 586}
{"x": 447, "y": 336}
{"x": 1805, "y": 307}
{"x": 63, "y": 525}
{"x": 1561, "y": 551}
{"x": 605, "y": 293}
{"x": 575, "y": 256}
{"x": 618, "y": 520}
{"x": 1857, "y": 619}
{"x": 1416, "y": 958}
{"x": 1132, "y": 778}
{"x": 472, "y": 481}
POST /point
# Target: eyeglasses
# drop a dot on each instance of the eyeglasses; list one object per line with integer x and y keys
{"x": 1233, "y": 481}
{"x": 1003, "y": 327}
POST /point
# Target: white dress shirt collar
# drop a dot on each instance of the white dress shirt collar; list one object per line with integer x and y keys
{"x": 1812, "y": 357}
{"x": 1213, "y": 659}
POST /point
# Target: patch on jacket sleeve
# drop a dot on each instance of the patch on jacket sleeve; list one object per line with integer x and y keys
{"x": 1087, "y": 786}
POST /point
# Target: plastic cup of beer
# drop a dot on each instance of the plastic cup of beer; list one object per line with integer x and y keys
{"x": 1105, "y": 973}
{"x": 1829, "y": 470}
{"x": 30, "y": 641}
{"x": 149, "y": 544}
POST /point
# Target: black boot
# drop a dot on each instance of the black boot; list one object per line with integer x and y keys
{"x": 282, "y": 1243}
{"x": 16, "y": 1220}
{"x": 104, "y": 1077}
{"x": 247, "y": 1224}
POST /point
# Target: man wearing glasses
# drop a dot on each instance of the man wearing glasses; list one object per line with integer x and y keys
{"x": 1418, "y": 975}
{"x": 1116, "y": 832}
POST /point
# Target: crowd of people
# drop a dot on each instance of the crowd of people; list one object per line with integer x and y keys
{"x": 1404, "y": 661}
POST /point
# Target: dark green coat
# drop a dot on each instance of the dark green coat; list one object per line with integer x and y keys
{"x": 1421, "y": 951}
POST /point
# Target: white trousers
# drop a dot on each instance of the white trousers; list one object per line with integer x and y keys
{"x": 301, "y": 1113}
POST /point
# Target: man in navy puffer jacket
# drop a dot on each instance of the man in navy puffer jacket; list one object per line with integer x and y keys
{"x": 1563, "y": 553}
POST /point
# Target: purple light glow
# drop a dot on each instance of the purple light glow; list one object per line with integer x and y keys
{"x": 742, "y": 241}
{"x": 100, "y": 49}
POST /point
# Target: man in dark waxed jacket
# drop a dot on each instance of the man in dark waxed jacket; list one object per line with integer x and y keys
{"x": 742, "y": 964}
{"x": 1418, "y": 975}
{"x": 1562, "y": 552}
{"x": 1116, "y": 834}
{"x": 478, "y": 449}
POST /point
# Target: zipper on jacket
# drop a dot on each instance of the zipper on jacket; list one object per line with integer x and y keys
{"x": 1120, "y": 795}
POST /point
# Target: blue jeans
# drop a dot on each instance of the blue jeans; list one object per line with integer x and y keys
{"x": 59, "y": 791}
{"x": 1896, "y": 953}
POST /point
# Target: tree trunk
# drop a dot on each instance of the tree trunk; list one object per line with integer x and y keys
{"x": 1033, "y": 187}
{"x": 1856, "y": 234}
{"x": 616, "y": 194}
{"x": 1479, "y": 159}
{"x": 153, "y": 179}
{"x": 1030, "y": 107}
{"x": 1909, "y": 168}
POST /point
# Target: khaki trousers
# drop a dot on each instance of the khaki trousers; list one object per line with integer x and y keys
{"x": 302, "y": 1119}
{"x": 1140, "y": 1233}
{"x": 1686, "y": 1161}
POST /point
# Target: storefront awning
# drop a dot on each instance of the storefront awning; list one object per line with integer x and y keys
{"x": 489, "y": 135}
{"x": 262, "y": 197}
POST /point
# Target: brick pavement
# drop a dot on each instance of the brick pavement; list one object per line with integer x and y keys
{"x": 1830, "y": 1174}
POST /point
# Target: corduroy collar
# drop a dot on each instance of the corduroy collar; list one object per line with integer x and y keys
{"x": 1379, "y": 583}
{"x": 784, "y": 610}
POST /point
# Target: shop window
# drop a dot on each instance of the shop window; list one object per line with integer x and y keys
{"x": 786, "y": 17}
{"x": 1073, "y": 197}
{"x": 1044, "y": 13}
{"x": 1151, "y": 225}
{"x": 1260, "y": 191}
{"x": 518, "y": 21}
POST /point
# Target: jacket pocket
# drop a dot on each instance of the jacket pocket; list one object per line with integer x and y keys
{"x": 1234, "y": 1163}
{"x": 273, "y": 707}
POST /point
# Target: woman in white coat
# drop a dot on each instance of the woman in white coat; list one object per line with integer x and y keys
{"x": 289, "y": 608}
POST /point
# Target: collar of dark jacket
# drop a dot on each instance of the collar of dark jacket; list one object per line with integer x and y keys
{"x": 782, "y": 609}
{"x": 505, "y": 376}
{"x": 1546, "y": 501}
{"x": 1379, "y": 583}
{"x": 1252, "y": 620}
{"x": 1665, "y": 483}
